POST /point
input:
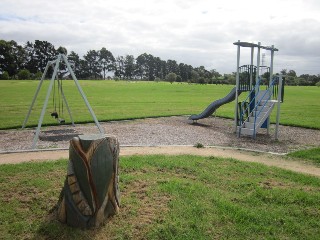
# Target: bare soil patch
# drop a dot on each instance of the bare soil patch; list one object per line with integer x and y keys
{"x": 166, "y": 131}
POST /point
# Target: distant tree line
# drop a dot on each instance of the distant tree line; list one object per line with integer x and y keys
{"x": 29, "y": 61}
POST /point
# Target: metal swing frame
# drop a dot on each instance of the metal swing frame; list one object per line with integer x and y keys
{"x": 56, "y": 64}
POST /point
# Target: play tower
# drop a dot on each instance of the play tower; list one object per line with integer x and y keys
{"x": 253, "y": 113}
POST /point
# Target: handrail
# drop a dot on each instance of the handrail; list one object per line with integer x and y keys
{"x": 242, "y": 105}
{"x": 258, "y": 104}
{"x": 270, "y": 90}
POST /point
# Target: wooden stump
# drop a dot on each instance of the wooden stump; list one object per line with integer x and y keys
{"x": 90, "y": 193}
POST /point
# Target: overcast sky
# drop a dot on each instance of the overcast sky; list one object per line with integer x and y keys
{"x": 195, "y": 32}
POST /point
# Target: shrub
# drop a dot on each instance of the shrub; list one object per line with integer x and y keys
{"x": 198, "y": 145}
{"x": 171, "y": 77}
{"x": 4, "y": 75}
{"x": 23, "y": 74}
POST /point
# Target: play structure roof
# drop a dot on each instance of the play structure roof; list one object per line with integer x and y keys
{"x": 247, "y": 44}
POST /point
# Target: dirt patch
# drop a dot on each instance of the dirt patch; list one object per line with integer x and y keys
{"x": 242, "y": 155}
{"x": 166, "y": 131}
{"x": 169, "y": 135}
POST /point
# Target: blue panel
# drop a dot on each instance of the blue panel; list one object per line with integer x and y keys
{"x": 265, "y": 124}
{"x": 252, "y": 103}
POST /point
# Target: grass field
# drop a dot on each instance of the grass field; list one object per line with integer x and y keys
{"x": 310, "y": 155}
{"x": 170, "y": 197}
{"x": 128, "y": 100}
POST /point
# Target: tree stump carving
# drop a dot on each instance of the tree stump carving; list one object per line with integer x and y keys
{"x": 90, "y": 193}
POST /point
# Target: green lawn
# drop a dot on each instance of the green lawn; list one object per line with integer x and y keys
{"x": 310, "y": 155}
{"x": 127, "y": 100}
{"x": 170, "y": 197}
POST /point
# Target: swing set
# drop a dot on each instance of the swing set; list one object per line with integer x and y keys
{"x": 58, "y": 115}
{"x": 59, "y": 100}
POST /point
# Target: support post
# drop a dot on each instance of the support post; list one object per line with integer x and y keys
{"x": 257, "y": 86}
{"x": 82, "y": 94}
{"x": 258, "y": 66}
{"x": 278, "y": 107}
{"x": 36, "y": 94}
{"x": 35, "y": 139}
{"x": 270, "y": 81}
{"x": 251, "y": 66}
{"x": 237, "y": 89}
{"x": 271, "y": 65}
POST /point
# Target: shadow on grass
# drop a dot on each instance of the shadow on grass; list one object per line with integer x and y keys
{"x": 51, "y": 228}
{"x": 58, "y": 135}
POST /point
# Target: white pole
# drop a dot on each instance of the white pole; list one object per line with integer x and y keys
{"x": 237, "y": 89}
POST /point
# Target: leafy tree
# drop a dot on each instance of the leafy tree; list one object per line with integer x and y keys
{"x": 85, "y": 72}
{"x": 290, "y": 79}
{"x": 37, "y": 75}
{"x": 283, "y": 72}
{"x": 172, "y": 66}
{"x": 145, "y": 66}
{"x": 164, "y": 70}
{"x": 171, "y": 77}
{"x": 74, "y": 60}
{"x": 202, "y": 80}
{"x": 215, "y": 74}
{"x": 158, "y": 68}
{"x": 38, "y": 55}
{"x": 106, "y": 60}
{"x": 194, "y": 76}
{"x": 24, "y": 74}
{"x": 4, "y": 75}
{"x": 119, "y": 67}
{"x": 12, "y": 57}
{"x": 292, "y": 73}
{"x": 62, "y": 50}
{"x": 92, "y": 59}
{"x": 185, "y": 71}
{"x": 129, "y": 66}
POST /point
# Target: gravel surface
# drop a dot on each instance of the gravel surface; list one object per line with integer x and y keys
{"x": 166, "y": 131}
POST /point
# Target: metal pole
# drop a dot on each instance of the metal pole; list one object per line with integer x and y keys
{"x": 278, "y": 107}
{"x": 35, "y": 139}
{"x": 82, "y": 94}
{"x": 65, "y": 101}
{"x": 257, "y": 85}
{"x": 270, "y": 81}
{"x": 271, "y": 66}
{"x": 36, "y": 94}
{"x": 251, "y": 66}
{"x": 237, "y": 89}
{"x": 258, "y": 64}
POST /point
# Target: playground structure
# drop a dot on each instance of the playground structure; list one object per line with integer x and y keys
{"x": 55, "y": 64}
{"x": 254, "y": 112}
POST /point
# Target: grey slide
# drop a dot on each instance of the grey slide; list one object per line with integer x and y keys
{"x": 216, "y": 104}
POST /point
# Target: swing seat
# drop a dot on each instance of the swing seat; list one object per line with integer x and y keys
{"x": 54, "y": 114}
{"x": 61, "y": 120}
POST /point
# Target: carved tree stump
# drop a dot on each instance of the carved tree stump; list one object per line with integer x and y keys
{"x": 90, "y": 193}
